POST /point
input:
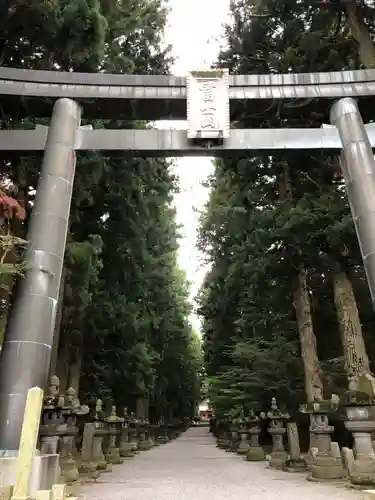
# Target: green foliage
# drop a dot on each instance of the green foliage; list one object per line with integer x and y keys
{"x": 125, "y": 311}
{"x": 267, "y": 216}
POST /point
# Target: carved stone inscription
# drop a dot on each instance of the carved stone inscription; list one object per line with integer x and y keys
{"x": 208, "y": 104}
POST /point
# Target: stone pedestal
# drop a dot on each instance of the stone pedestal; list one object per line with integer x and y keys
{"x": 69, "y": 469}
{"x": 361, "y": 425}
{"x": 295, "y": 462}
{"x": 143, "y": 443}
{"x": 278, "y": 455}
{"x": 98, "y": 458}
{"x": 163, "y": 437}
{"x": 255, "y": 452}
{"x": 149, "y": 442}
{"x": 155, "y": 432}
{"x": 86, "y": 464}
{"x": 126, "y": 447}
{"x": 234, "y": 440}
{"x": 45, "y": 472}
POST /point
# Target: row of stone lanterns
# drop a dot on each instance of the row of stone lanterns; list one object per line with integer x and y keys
{"x": 106, "y": 440}
{"x": 325, "y": 460}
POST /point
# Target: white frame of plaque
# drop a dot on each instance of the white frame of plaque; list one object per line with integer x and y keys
{"x": 217, "y": 120}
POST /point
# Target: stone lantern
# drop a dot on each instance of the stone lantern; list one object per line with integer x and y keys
{"x": 98, "y": 458}
{"x": 114, "y": 424}
{"x": 126, "y": 446}
{"x": 51, "y": 419}
{"x": 243, "y": 446}
{"x": 70, "y": 410}
{"x": 234, "y": 427}
{"x": 255, "y": 452}
{"x": 324, "y": 465}
{"x": 358, "y": 406}
{"x": 277, "y": 429}
{"x": 133, "y": 432}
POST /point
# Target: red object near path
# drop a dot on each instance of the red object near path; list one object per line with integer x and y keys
{"x": 10, "y": 207}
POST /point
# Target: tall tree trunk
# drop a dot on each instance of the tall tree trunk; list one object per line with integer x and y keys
{"x": 62, "y": 367}
{"x": 360, "y": 33}
{"x": 311, "y": 364}
{"x": 356, "y": 361}
{"x": 141, "y": 410}
{"x": 75, "y": 369}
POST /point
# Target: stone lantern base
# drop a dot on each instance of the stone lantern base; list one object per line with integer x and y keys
{"x": 362, "y": 472}
{"x": 278, "y": 459}
{"x": 126, "y": 450}
{"x": 69, "y": 469}
{"x": 326, "y": 467}
{"x": 113, "y": 456}
{"x": 255, "y": 454}
{"x": 243, "y": 448}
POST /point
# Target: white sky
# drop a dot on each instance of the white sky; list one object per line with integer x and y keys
{"x": 194, "y": 32}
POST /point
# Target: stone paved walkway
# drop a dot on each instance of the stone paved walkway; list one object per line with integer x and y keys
{"x": 192, "y": 468}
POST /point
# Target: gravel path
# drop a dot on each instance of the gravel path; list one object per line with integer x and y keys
{"x": 192, "y": 468}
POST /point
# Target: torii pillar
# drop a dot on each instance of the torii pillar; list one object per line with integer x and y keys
{"x": 26, "y": 352}
{"x": 358, "y": 166}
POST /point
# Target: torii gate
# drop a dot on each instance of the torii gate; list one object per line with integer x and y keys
{"x": 209, "y": 99}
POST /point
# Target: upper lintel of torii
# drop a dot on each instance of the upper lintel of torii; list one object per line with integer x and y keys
{"x": 207, "y": 100}
{"x": 157, "y": 97}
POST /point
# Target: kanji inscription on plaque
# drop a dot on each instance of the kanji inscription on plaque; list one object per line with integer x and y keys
{"x": 208, "y": 104}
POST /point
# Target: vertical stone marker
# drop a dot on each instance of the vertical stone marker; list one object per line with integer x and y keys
{"x": 295, "y": 462}
{"x": 293, "y": 441}
{"x": 28, "y": 442}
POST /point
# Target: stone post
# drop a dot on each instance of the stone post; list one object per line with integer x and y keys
{"x": 26, "y": 350}
{"x": 295, "y": 462}
{"x": 87, "y": 465}
{"x": 28, "y": 441}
